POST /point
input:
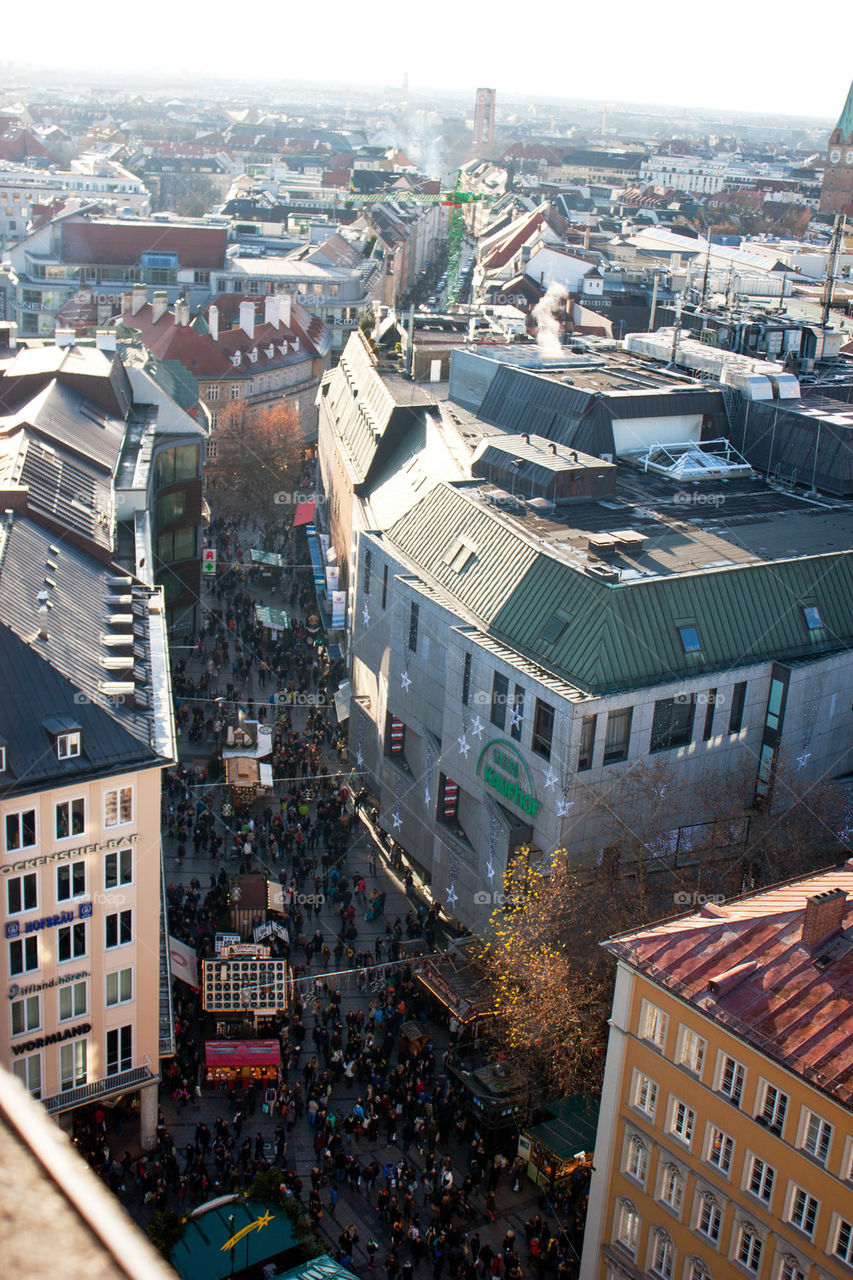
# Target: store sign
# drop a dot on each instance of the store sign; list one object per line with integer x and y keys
{"x": 505, "y": 771}
{"x": 65, "y": 855}
{"x": 221, "y": 940}
{"x": 42, "y": 1041}
{"x": 15, "y": 990}
{"x": 208, "y": 561}
{"x": 14, "y": 928}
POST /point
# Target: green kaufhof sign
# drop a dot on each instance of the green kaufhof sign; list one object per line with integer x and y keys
{"x": 504, "y": 770}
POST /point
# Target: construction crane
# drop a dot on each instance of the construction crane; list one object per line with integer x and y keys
{"x": 455, "y": 200}
{"x": 831, "y": 268}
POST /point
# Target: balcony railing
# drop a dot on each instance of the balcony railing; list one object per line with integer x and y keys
{"x": 121, "y": 1083}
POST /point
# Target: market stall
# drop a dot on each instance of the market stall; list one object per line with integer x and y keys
{"x": 241, "y": 1061}
{"x": 561, "y": 1145}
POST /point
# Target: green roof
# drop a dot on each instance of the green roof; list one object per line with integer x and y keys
{"x": 624, "y": 635}
{"x": 845, "y": 120}
{"x": 199, "y": 1254}
{"x": 570, "y": 1127}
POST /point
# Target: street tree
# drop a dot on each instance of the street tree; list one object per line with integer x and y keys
{"x": 258, "y": 463}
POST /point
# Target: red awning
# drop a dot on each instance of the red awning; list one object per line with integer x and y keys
{"x": 242, "y": 1053}
{"x": 304, "y": 513}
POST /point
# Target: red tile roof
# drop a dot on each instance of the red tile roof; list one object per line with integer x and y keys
{"x": 795, "y": 1003}
{"x": 104, "y": 241}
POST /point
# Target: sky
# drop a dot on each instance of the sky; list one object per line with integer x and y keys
{"x": 740, "y": 55}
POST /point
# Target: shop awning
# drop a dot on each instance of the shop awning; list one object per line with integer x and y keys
{"x": 342, "y": 698}
{"x": 270, "y": 558}
{"x": 317, "y": 563}
{"x": 569, "y": 1129}
{"x": 465, "y": 994}
{"x": 242, "y": 1053}
{"x": 184, "y": 962}
{"x": 304, "y": 513}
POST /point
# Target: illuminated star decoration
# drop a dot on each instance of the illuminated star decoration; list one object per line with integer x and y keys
{"x": 490, "y": 870}
{"x": 803, "y": 759}
{"x": 563, "y": 807}
{"x": 359, "y": 758}
{"x": 515, "y": 718}
{"x": 397, "y": 820}
{"x": 426, "y": 795}
{"x": 550, "y": 777}
{"x": 365, "y": 616}
{"x": 405, "y": 681}
{"x": 451, "y": 895}
{"x": 477, "y": 727}
{"x": 464, "y": 746}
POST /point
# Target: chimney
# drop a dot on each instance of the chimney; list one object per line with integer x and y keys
{"x": 105, "y": 339}
{"x": 824, "y": 916}
{"x": 159, "y": 306}
{"x": 182, "y": 312}
{"x": 64, "y": 337}
{"x": 272, "y": 309}
{"x": 284, "y": 309}
{"x": 44, "y": 610}
{"x": 247, "y": 319}
{"x": 139, "y": 297}
{"x": 213, "y": 322}
{"x": 126, "y": 302}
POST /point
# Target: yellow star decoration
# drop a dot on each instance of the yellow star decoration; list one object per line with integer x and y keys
{"x": 257, "y": 1225}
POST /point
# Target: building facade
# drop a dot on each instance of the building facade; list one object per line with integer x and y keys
{"x": 483, "y": 134}
{"x": 836, "y": 195}
{"x": 725, "y": 1148}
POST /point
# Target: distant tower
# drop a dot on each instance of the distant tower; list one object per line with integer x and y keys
{"x": 484, "y": 118}
{"x": 836, "y": 194}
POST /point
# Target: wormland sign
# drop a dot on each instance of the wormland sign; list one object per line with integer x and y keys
{"x": 505, "y": 771}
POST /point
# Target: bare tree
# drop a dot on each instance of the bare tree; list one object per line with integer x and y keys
{"x": 258, "y": 463}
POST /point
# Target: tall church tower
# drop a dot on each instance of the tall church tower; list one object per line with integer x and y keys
{"x": 836, "y": 194}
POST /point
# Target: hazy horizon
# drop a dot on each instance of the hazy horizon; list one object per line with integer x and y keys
{"x": 642, "y": 57}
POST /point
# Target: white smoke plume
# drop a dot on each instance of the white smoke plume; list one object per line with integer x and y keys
{"x": 546, "y": 317}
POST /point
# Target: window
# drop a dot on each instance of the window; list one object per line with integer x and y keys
{"x": 26, "y": 1015}
{"x": 516, "y": 713}
{"x": 653, "y": 1024}
{"x": 68, "y": 745}
{"x": 466, "y": 679}
{"x": 844, "y": 1241}
{"x": 28, "y": 1071}
{"x": 761, "y": 1179}
{"x": 118, "y": 807}
{"x": 70, "y": 881}
{"x": 811, "y": 613}
{"x": 448, "y": 800}
{"x": 72, "y": 1065}
{"x": 790, "y": 1270}
{"x": 119, "y": 987}
{"x": 708, "y": 730}
{"x": 119, "y": 1050}
{"x": 628, "y": 1225}
{"x": 683, "y": 1121}
{"x": 554, "y": 627}
{"x": 691, "y": 1050}
{"x": 720, "y": 1148}
{"x": 817, "y": 1137}
{"x": 72, "y": 942}
{"x": 2, "y": 759}
{"x": 663, "y": 1255}
{"x": 70, "y": 818}
{"x": 690, "y": 641}
{"x": 72, "y": 1001}
{"x": 803, "y": 1211}
{"x": 235, "y": 391}
{"x": 414, "y": 613}
{"x": 20, "y": 830}
{"x": 118, "y": 929}
{"x": 645, "y": 1093}
{"x": 22, "y": 893}
{"x": 368, "y": 564}
{"x": 587, "y": 743}
{"x": 384, "y": 584}
{"x": 118, "y": 868}
{"x": 672, "y": 725}
{"x": 732, "y": 1075}
{"x": 617, "y": 735}
{"x": 710, "y": 1218}
{"x": 210, "y": 445}
{"x": 773, "y": 1108}
{"x": 736, "y": 713}
{"x": 749, "y": 1248}
{"x": 672, "y": 1187}
{"x": 213, "y": 391}
{"x": 23, "y": 955}
{"x": 637, "y": 1163}
{"x": 543, "y": 729}
{"x": 500, "y": 697}
{"x": 171, "y": 507}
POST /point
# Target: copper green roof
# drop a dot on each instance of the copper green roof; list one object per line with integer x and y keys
{"x": 845, "y": 120}
{"x": 622, "y": 635}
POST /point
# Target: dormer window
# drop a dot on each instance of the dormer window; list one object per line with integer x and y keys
{"x": 2, "y": 759}
{"x": 68, "y": 745}
{"x": 811, "y": 613}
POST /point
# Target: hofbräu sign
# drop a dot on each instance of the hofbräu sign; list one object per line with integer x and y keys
{"x": 505, "y": 771}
